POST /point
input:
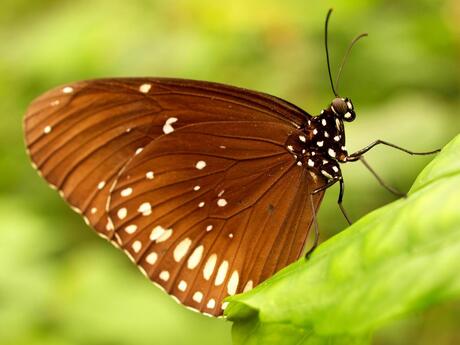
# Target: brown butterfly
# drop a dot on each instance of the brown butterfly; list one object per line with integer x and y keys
{"x": 209, "y": 189}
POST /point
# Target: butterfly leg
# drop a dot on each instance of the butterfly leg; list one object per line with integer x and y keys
{"x": 315, "y": 224}
{"x": 380, "y": 180}
{"x": 329, "y": 183}
{"x": 342, "y": 190}
{"x": 356, "y": 155}
{"x": 339, "y": 201}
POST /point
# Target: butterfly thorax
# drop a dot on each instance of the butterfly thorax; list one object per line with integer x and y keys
{"x": 320, "y": 144}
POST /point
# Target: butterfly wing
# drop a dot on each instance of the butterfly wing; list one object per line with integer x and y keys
{"x": 227, "y": 207}
{"x": 88, "y": 139}
{"x": 79, "y": 136}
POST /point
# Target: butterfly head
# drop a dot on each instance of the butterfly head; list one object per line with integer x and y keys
{"x": 343, "y": 109}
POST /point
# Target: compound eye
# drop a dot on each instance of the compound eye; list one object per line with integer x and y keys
{"x": 340, "y": 106}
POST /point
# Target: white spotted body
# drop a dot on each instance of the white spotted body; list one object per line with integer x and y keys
{"x": 320, "y": 145}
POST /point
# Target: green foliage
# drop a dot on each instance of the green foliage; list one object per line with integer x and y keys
{"x": 398, "y": 259}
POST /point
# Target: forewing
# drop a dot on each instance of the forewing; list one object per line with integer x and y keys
{"x": 80, "y": 136}
{"x": 208, "y": 210}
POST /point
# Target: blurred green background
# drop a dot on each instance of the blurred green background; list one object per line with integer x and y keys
{"x": 61, "y": 284}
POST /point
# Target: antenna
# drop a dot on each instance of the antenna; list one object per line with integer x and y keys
{"x": 327, "y": 51}
{"x": 345, "y": 58}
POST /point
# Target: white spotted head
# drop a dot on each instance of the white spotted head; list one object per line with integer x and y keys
{"x": 343, "y": 108}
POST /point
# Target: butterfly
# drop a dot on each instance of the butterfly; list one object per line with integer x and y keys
{"x": 209, "y": 189}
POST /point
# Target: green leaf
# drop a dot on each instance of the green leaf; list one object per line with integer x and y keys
{"x": 398, "y": 259}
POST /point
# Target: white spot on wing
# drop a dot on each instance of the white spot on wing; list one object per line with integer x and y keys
{"x": 221, "y": 273}
{"x": 165, "y": 235}
{"x": 143, "y": 271}
{"x": 86, "y": 220}
{"x": 221, "y": 202}
{"x": 200, "y": 165}
{"x": 131, "y": 229}
{"x": 137, "y": 246}
{"x": 122, "y": 212}
{"x": 175, "y": 298}
{"x": 67, "y": 89}
{"x": 182, "y": 286}
{"x": 201, "y": 204}
{"x": 211, "y": 304}
{"x": 167, "y": 128}
{"x": 156, "y": 233}
{"x": 164, "y": 275}
{"x": 93, "y": 210}
{"x": 196, "y": 188}
{"x": 320, "y": 143}
{"x": 194, "y": 309}
{"x": 149, "y": 175}
{"x": 145, "y": 88}
{"x": 233, "y": 283}
{"x": 209, "y": 266}
{"x": 198, "y": 296}
{"x": 209, "y": 228}
{"x": 195, "y": 258}
{"x": 151, "y": 258}
{"x": 55, "y": 103}
{"x": 126, "y": 191}
{"x": 109, "y": 226}
{"x": 47, "y": 129}
{"x": 129, "y": 255}
{"x": 248, "y": 286}
{"x": 138, "y": 150}
{"x": 182, "y": 249}
{"x": 145, "y": 208}
{"x": 101, "y": 185}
